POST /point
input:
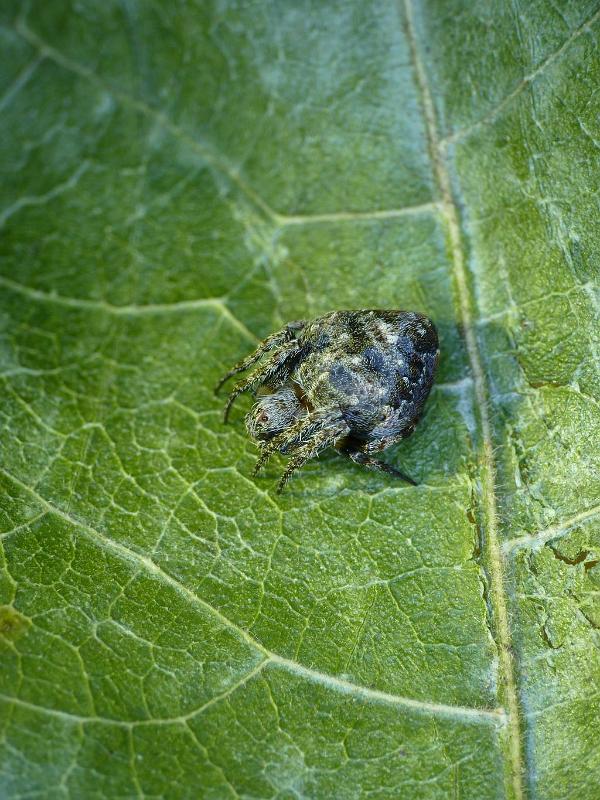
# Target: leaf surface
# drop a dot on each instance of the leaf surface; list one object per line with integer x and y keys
{"x": 177, "y": 184}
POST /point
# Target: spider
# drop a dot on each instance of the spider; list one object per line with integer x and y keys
{"x": 357, "y": 380}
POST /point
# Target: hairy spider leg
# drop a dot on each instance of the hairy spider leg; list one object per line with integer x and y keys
{"x": 305, "y": 439}
{"x": 322, "y": 439}
{"x": 299, "y": 433}
{"x": 284, "y": 439}
{"x": 274, "y": 340}
{"x": 262, "y": 374}
{"x": 372, "y": 463}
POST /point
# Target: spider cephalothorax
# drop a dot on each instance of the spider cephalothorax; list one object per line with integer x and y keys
{"x": 357, "y": 380}
{"x": 273, "y": 413}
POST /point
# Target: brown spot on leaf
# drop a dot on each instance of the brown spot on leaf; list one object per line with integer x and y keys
{"x": 13, "y": 624}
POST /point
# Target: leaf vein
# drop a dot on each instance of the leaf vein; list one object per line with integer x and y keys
{"x": 214, "y": 159}
{"x": 431, "y": 708}
{"x": 526, "y": 81}
{"x": 138, "y": 559}
{"x": 556, "y": 531}
{"x": 284, "y": 220}
{"x": 494, "y": 554}
{"x": 20, "y": 81}
{"x": 130, "y": 310}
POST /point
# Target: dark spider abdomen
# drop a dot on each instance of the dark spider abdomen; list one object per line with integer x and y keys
{"x": 357, "y": 380}
{"x": 377, "y": 363}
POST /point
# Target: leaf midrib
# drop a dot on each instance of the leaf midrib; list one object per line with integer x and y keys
{"x": 487, "y": 500}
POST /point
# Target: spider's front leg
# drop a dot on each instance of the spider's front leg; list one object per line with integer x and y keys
{"x": 272, "y": 368}
{"x": 305, "y": 440}
{"x": 274, "y": 340}
{"x": 323, "y": 439}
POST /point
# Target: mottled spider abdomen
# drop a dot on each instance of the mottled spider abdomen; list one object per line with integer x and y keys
{"x": 377, "y": 367}
{"x": 354, "y": 379}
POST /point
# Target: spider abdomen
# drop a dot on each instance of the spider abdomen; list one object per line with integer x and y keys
{"x": 376, "y": 361}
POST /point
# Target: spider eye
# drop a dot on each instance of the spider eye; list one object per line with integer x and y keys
{"x": 382, "y": 417}
{"x": 263, "y": 417}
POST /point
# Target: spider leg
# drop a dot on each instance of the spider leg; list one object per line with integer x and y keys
{"x": 261, "y": 375}
{"x": 305, "y": 439}
{"x": 274, "y": 340}
{"x": 372, "y": 463}
{"x": 277, "y": 443}
{"x": 297, "y": 434}
{"x": 320, "y": 441}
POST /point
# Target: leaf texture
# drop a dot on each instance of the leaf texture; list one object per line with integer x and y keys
{"x": 176, "y": 184}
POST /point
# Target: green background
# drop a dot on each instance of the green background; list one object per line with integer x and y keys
{"x": 179, "y": 180}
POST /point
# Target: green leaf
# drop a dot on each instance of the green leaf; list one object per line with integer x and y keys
{"x": 178, "y": 182}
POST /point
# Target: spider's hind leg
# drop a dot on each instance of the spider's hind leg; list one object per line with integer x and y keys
{"x": 372, "y": 463}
